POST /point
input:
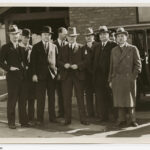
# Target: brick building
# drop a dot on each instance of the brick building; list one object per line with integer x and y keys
{"x": 81, "y": 17}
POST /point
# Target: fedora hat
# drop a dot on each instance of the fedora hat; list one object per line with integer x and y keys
{"x": 47, "y": 29}
{"x": 26, "y": 32}
{"x": 13, "y": 29}
{"x": 89, "y": 31}
{"x": 121, "y": 30}
{"x": 103, "y": 29}
{"x": 72, "y": 31}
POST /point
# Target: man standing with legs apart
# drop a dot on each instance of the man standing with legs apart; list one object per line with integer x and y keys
{"x": 72, "y": 66}
{"x": 44, "y": 71}
{"x": 101, "y": 66}
{"x": 60, "y": 42}
{"x": 12, "y": 60}
{"x": 124, "y": 69}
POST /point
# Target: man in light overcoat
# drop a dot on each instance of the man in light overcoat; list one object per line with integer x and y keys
{"x": 124, "y": 68}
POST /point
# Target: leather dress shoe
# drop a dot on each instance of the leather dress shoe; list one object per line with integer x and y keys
{"x": 39, "y": 123}
{"x": 53, "y": 121}
{"x": 27, "y": 125}
{"x": 121, "y": 124}
{"x": 134, "y": 124}
{"x": 12, "y": 126}
{"x": 67, "y": 122}
{"x": 85, "y": 122}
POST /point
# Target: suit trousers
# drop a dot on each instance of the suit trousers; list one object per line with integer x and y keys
{"x": 42, "y": 86}
{"x": 67, "y": 88}
{"x": 89, "y": 91}
{"x": 31, "y": 101}
{"x": 28, "y": 101}
{"x": 104, "y": 102}
{"x": 60, "y": 98}
{"x": 14, "y": 87}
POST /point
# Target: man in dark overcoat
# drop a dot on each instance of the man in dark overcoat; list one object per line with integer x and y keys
{"x": 72, "y": 66}
{"x": 12, "y": 60}
{"x": 101, "y": 66}
{"x": 60, "y": 42}
{"x": 124, "y": 69}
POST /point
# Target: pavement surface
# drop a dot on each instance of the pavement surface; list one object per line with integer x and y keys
{"x": 75, "y": 130}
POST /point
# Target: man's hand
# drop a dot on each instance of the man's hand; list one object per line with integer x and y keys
{"x": 35, "y": 78}
{"x": 13, "y": 68}
{"x": 67, "y": 65}
{"x": 110, "y": 84}
{"x": 74, "y": 67}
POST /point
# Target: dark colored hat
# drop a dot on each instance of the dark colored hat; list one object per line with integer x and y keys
{"x": 13, "y": 29}
{"x": 47, "y": 29}
{"x": 103, "y": 29}
{"x": 89, "y": 31}
{"x": 72, "y": 31}
{"x": 26, "y": 32}
{"x": 121, "y": 30}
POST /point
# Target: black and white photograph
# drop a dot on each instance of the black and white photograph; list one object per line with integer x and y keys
{"x": 74, "y": 74}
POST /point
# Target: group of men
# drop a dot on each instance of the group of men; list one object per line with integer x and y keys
{"x": 103, "y": 72}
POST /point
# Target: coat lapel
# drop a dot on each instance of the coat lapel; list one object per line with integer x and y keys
{"x": 125, "y": 50}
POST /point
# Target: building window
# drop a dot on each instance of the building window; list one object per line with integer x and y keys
{"x": 144, "y": 14}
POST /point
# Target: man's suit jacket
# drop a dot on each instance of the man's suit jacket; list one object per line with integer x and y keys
{"x": 39, "y": 61}
{"x": 11, "y": 57}
{"x": 88, "y": 54}
{"x": 101, "y": 62}
{"x": 72, "y": 56}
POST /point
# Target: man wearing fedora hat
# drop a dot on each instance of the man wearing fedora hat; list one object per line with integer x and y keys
{"x": 44, "y": 72}
{"x": 88, "y": 54}
{"x": 60, "y": 42}
{"x": 124, "y": 69}
{"x": 28, "y": 96}
{"x": 12, "y": 60}
{"x": 72, "y": 65}
{"x": 101, "y": 66}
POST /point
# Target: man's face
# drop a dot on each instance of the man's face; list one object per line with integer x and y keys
{"x": 104, "y": 36}
{"x": 89, "y": 38}
{"x": 46, "y": 37}
{"x": 25, "y": 40}
{"x": 14, "y": 37}
{"x": 72, "y": 39}
{"x": 121, "y": 38}
{"x": 63, "y": 34}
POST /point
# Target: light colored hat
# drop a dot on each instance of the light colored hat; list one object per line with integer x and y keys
{"x": 89, "y": 31}
{"x": 121, "y": 30}
{"x": 13, "y": 29}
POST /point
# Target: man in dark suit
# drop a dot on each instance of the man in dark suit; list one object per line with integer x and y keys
{"x": 72, "y": 65}
{"x": 60, "y": 42}
{"x": 12, "y": 60}
{"x": 28, "y": 96}
{"x": 101, "y": 66}
{"x": 44, "y": 74}
{"x": 89, "y": 89}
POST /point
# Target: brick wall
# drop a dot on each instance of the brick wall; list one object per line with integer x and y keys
{"x": 82, "y": 17}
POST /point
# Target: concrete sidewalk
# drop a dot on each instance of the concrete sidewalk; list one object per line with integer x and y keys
{"x": 75, "y": 130}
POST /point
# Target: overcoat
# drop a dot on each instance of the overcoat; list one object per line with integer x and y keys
{"x": 125, "y": 64}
